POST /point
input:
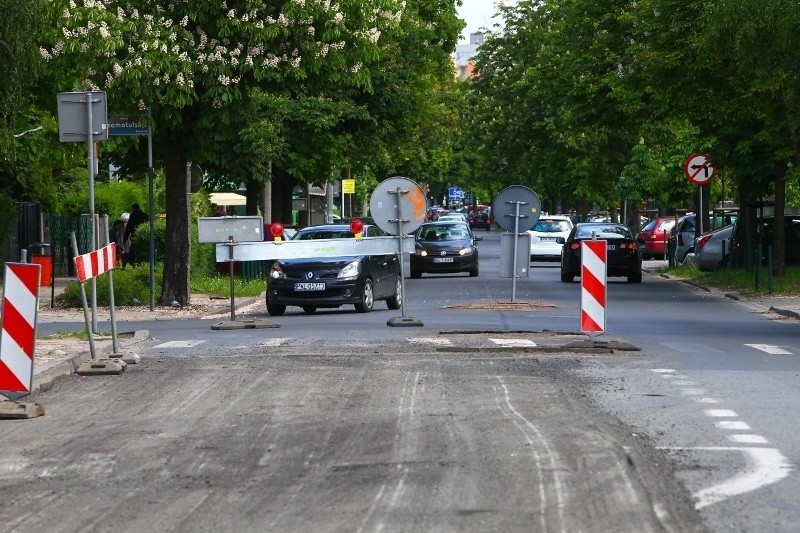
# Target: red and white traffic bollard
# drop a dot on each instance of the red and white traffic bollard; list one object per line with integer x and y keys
{"x": 594, "y": 255}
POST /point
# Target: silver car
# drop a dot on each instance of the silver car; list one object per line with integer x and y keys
{"x": 712, "y": 249}
{"x": 682, "y": 236}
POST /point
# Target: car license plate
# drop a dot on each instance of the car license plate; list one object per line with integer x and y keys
{"x": 309, "y": 286}
{"x": 612, "y": 246}
{"x": 442, "y": 259}
{"x": 548, "y": 239}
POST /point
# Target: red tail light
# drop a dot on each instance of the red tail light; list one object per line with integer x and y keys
{"x": 576, "y": 245}
{"x": 629, "y": 245}
{"x": 701, "y": 241}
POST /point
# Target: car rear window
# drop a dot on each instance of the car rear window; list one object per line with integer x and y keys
{"x": 603, "y": 232}
{"x": 552, "y": 226}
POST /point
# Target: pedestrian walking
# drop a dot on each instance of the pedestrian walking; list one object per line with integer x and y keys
{"x": 136, "y": 218}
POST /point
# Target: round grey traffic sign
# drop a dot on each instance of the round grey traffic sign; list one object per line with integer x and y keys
{"x": 516, "y": 202}
{"x": 398, "y": 199}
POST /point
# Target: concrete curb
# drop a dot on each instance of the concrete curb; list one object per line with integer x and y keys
{"x": 785, "y": 312}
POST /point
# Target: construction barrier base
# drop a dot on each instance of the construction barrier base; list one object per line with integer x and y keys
{"x": 19, "y": 410}
{"x": 244, "y": 324}
{"x": 102, "y": 367}
{"x": 404, "y": 322}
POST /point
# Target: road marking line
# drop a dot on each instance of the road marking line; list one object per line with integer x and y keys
{"x": 748, "y": 439}
{"x": 662, "y": 370}
{"x": 274, "y": 343}
{"x": 692, "y": 392}
{"x": 689, "y": 347}
{"x": 770, "y": 349}
{"x": 707, "y": 400}
{"x": 438, "y": 341}
{"x": 732, "y": 424}
{"x": 514, "y": 343}
{"x": 179, "y": 344}
{"x": 532, "y": 434}
{"x": 682, "y": 382}
{"x": 721, "y": 413}
{"x": 765, "y": 467}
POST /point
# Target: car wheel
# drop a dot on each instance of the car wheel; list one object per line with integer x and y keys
{"x": 396, "y": 299}
{"x": 416, "y": 274}
{"x": 276, "y": 310}
{"x": 647, "y": 257}
{"x": 566, "y": 277}
{"x": 475, "y": 271}
{"x": 367, "y": 298}
{"x": 635, "y": 278}
{"x": 309, "y": 309}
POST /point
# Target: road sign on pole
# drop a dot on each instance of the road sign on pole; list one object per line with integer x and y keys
{"x": 698, "y": 168}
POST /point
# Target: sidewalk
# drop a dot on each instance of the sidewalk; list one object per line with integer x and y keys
{"x": 62, "y": 355}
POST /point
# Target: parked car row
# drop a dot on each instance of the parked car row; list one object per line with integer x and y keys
{"x": 713, "y": 249}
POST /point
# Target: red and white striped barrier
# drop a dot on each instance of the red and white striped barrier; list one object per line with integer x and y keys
{"x": 93, "y": 264}
{"x": 594, "y": 256}
{"x": 18, "y": 340}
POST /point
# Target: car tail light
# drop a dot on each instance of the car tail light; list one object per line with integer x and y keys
{"x": 701, "y": 241}
{"x": 576, "y": 245}
{"x": 629, "y": 245}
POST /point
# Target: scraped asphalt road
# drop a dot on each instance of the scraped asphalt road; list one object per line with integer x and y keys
{"x": 400, "y": 440}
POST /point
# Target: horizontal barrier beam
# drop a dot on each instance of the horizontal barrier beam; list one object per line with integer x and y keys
{"x": 270, "y": 250}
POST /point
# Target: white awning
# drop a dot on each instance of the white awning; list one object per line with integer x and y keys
{"x": 227, "y": 198}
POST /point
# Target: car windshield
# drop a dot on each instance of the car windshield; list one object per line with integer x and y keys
{"x": 443, "y": 232}
{"x": 603, "y": 232}
{"x": 552, "y": 226}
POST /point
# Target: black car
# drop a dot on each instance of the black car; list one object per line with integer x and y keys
{"x": 791, "y": 225}
{"x": 480, "y": 218}
{"x": 444, "y": 247}
{"x": 329, "y": 282}
{"x": 624, "y": 255}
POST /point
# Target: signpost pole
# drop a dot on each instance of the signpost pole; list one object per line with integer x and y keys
{"x": 93, "y": 234}
{"x": 150, "y": 179}
{"x": 514, "y": 268}
{"x": 231, "y": 243}
{"x": 400, "y": 253}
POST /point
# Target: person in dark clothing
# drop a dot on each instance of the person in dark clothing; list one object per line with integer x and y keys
{"x": 116, "y": 235}
{"x": 136, "y": 218}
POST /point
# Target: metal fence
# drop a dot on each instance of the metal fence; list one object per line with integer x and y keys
{"x": 61, "y": 228}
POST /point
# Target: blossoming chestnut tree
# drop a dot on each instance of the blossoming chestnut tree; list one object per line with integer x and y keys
{"x": 192, "y": 65}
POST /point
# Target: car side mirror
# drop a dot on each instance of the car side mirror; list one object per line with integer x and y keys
{"x": 477, "y": 238}
{"x": 560, "y": 240}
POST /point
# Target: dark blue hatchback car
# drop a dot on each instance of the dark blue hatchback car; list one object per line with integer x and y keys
{"x": 330, "y": 282}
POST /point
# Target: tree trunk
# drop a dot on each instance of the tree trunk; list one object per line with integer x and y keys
{"x": 778, "y": 227}
{"x": 175, "y": 283}
{"x": 253, "y": 192}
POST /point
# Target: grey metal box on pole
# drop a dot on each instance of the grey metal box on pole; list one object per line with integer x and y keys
{"x": 507, "y": 255}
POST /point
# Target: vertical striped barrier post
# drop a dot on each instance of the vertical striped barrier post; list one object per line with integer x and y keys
{"x": 594, "y": 256}
{"x": 18, "y": 340}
